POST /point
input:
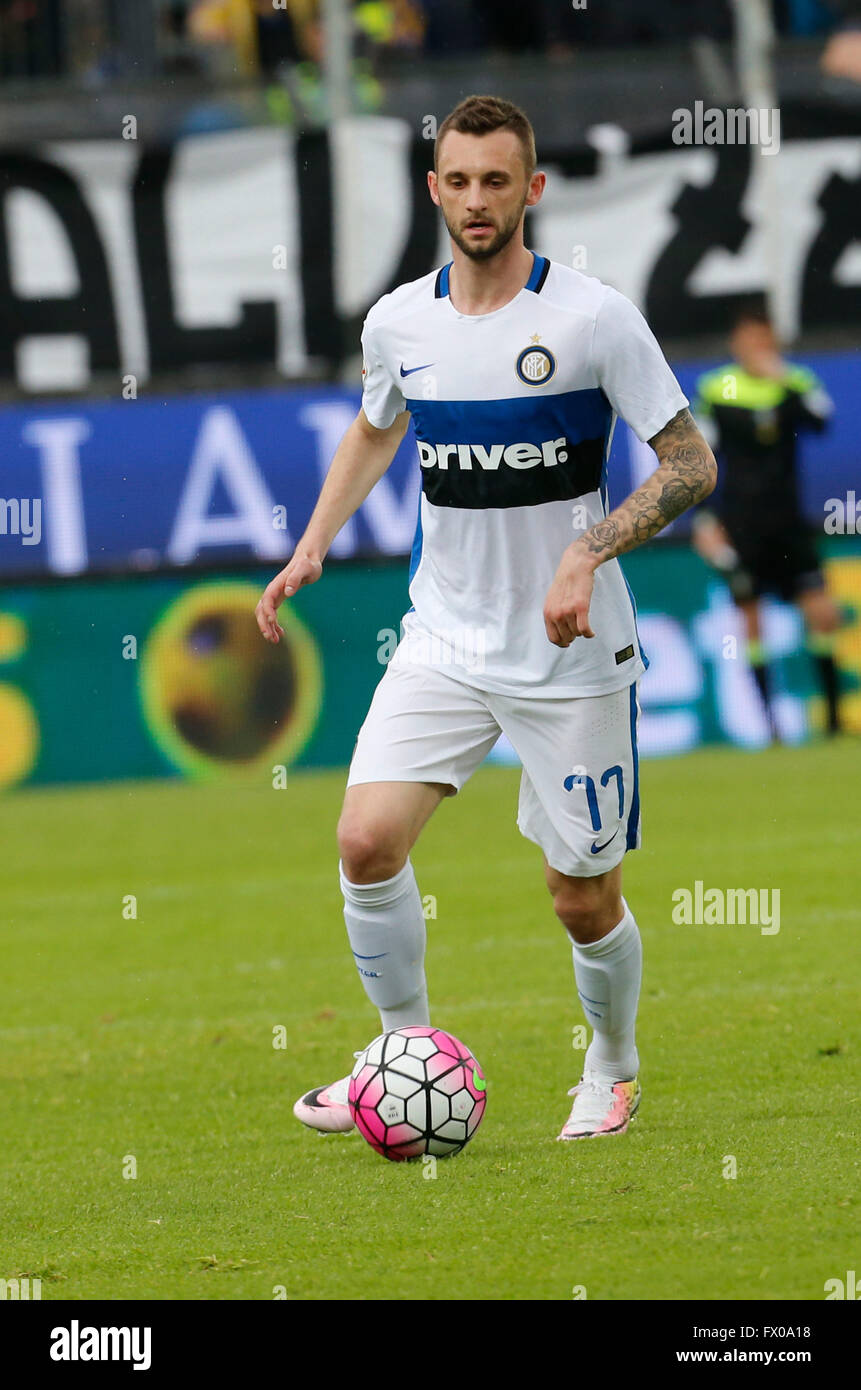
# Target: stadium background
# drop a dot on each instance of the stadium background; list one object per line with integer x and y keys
{"x": 197, "y": 211}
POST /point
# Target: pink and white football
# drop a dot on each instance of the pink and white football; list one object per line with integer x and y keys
{"x": 417, "y": 1091}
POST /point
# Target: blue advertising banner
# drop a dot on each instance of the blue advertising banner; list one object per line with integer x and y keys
{"x": 146, "y": 484}
{"x": 203, "y": 480}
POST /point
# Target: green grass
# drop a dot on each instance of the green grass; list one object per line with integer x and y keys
{"x": 153, "y": 1038}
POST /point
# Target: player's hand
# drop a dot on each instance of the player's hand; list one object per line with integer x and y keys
{"x": 566, "y": 607}
{"x": 709, "y": 537}
{"x": 302, "y": 569}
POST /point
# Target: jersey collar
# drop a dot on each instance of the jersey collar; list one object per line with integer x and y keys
{"x": 535, "y": 283}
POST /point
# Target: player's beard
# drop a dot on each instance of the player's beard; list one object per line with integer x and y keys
{"x": 485, "y": 250}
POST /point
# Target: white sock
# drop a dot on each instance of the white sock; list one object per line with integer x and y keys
{"x": 608, "y": 974}
{"x": 387, "y": 931}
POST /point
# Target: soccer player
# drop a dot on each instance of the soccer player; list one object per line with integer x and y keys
{"x": 513, "y": 370}
{"x": 752, "y": 411}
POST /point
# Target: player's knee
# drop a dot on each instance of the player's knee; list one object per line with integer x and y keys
{"x": 821, "y": 614}
{"x": 585, "y": 908}
{"x": 826, "y": 618}
{"x": 369, "y": 853}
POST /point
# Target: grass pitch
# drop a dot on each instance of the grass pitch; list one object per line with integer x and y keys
{"x": 146, "y": 1045}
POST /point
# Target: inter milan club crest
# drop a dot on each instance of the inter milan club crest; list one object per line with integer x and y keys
{"x": 535, "y": 365}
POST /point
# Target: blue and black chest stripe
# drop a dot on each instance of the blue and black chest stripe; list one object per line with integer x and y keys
{"x": 518, "y": 452}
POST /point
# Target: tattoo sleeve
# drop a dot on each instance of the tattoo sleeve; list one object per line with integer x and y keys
{"x": 686, "y": 473}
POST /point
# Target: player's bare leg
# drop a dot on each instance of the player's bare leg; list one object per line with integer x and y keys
{"x": 822, "y": 618}
{"x": 380, "y": 822}
{"x": 758, "y": 659}
{"x": 712, "y": 541}
{"x": 608, "y": 969}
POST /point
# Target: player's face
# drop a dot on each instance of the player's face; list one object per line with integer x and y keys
{"x": 482, "y": 187}
{"x": 754, "y": 346}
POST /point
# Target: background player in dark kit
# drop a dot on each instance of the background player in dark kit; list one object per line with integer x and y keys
{"x": 752, "y": 411}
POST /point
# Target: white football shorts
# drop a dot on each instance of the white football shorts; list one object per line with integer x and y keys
{"x": 579, "y": 788}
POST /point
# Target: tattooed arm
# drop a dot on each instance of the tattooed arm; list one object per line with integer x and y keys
{"x": 686, "y": 473}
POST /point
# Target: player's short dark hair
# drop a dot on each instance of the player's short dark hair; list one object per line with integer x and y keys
{"x": 480, "y": 115}
{"x": 752, "y": 311}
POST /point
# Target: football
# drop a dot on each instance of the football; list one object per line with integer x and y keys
{"x": 417, "y": 1091}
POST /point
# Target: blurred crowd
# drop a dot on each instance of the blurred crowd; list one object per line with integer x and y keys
{"x": 100, "y": 38}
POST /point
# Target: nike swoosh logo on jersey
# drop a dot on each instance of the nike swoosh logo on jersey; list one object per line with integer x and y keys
{"x": 596, "y": 848}
{"x": 409, "y": 371}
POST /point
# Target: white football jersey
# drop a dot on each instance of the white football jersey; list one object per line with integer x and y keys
{"x": 513, "y": 414}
